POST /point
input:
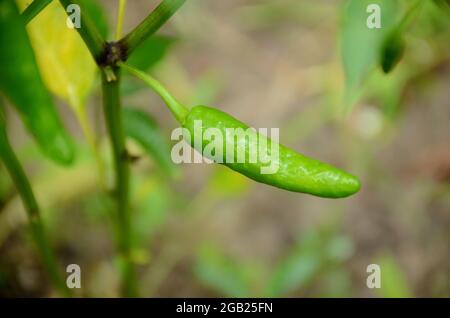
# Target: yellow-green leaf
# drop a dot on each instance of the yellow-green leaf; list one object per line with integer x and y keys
{"x": 65, "y": 63}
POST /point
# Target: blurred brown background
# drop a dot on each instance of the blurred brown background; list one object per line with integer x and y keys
{"x": 212, "y": 232}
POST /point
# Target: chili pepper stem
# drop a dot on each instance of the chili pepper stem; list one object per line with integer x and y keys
{"x": 113, "y": 117}
{"x": 31, "y": 206}
{"x": 177, "y": 109}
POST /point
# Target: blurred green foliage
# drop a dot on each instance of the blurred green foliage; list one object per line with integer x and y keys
{"x": 393, "y": 280}
{"x": 141, "y": 127}
{"x": 318, "y": 254}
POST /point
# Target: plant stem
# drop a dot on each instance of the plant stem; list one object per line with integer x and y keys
{"x": 89, "y": 32}
{"x": 151, "y": 24}
{"x": 34, "y": 9}
{"x": 29, "y": 201}
{"x": 107, "y": 55}
{"x": 100, "y": 50}
{"x": 113, "y": 117}
{"x": 178, "y": 110}
{"x": 120, "y": 17}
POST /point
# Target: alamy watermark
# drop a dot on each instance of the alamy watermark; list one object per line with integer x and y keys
{"x": 74, "y": 278}
{"x": 374, "y": 279}
{"x": 374, "y": 19}
{"x": 73, "y": 20}
{"x": 229, "y": 145}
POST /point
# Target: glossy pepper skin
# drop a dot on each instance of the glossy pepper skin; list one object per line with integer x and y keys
{"x": 21, "y": 84}
{"x": 296, "y": 172}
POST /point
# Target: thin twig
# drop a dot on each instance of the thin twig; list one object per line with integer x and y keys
{"x": 151, "y": 24}
{"x": 177, "y": 109}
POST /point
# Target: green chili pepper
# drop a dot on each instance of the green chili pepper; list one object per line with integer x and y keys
{"x": 22, "y": 85}
{"x": 295, "y": 172}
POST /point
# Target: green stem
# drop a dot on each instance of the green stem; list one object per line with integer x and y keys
{"x": 23, "y": 186}
{"x": 34, "y": 9}
{"x": 120, "y": 17}
{"x": 113, "y": 117}
{"x": 88, "y": 32}
{"x": 151, "y": 24}
{"x": 177, "y": 109}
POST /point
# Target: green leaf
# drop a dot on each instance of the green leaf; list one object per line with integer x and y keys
{"x": 131, "y": 85}
{"x": 150, "y": 52}
{"x": 142, "y": 128}
{"x": 22, "y": 85}
{"x": 220, "y": 272}
{"x": 153, "y": 200}
{"x": 392, "y": 51}
{"x": 5, "y": 183}
{"x": 393, "y": 45}
{"x": 443, "y": 4}
{"x": 361, "y": 45}
{"x": 393, "y": 280}
{"x": 298, "y": 268}
{"x": 314, "y": 251}
{"x": 66, "y": 64}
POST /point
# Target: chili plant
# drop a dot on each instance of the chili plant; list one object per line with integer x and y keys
{"x": 22, "y": 84}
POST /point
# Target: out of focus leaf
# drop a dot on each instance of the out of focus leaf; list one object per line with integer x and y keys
{"x": 360, "y": 44}
{"x": 5, "y": 183}
{"x": 227, "y": 183}
{"x": 393, "y": 45}
{"x": 298, "y": 268}
{"x": 65, "y": 63}
{"x": 338, "y": 248}
{"x": 388, "y": 90}
{"x": 443, "y": 4}
{"x": 150, "y": 52}
{"x": 22, "y": 85}
{"x": 130, "y": 86}
{"x": 152, "y": 201}
{"x": 337, "y": 282}
{"x": 142, "y": 128}
{"x": 393, "y": 280}
{"x": 206, "y": 89}
{"x": 220, "y": 272}
{"x": 315, "y": 250}
{"x": 392, "y": 51}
